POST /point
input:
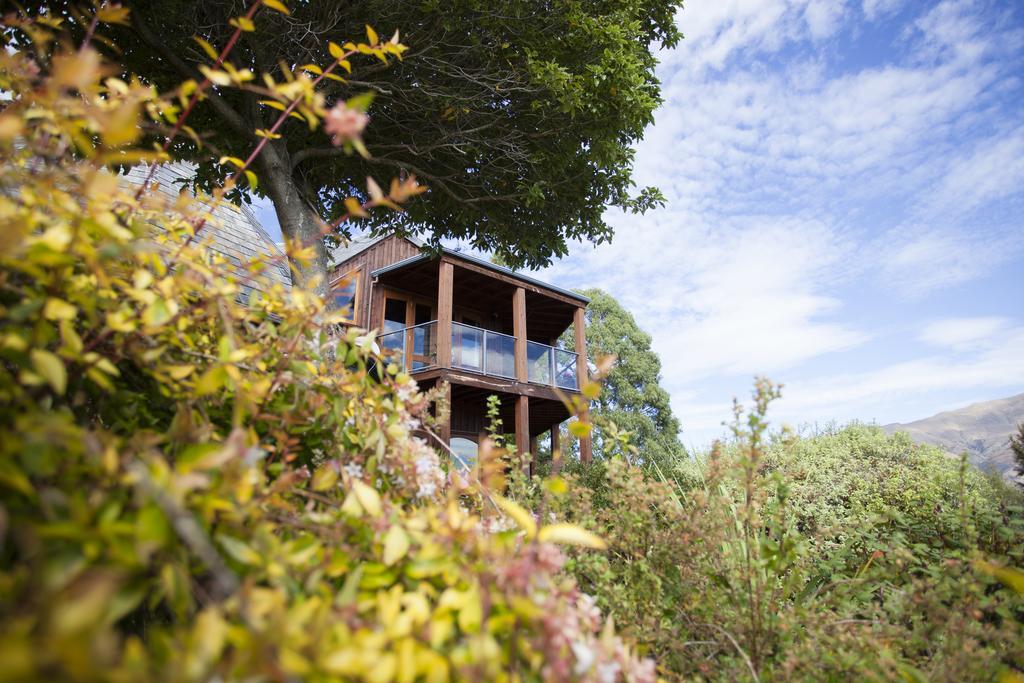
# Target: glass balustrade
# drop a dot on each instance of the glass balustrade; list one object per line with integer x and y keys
{"x": 565, "y": 369}
{"x": 538, "y": 362}
{"x": 467, "y": 347}
{"x": 500, "y": 355}
{"x": 482, "y": 351}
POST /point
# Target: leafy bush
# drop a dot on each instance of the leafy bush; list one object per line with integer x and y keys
{"x": 193, "y": 489}
{"x": 844, "y": 555}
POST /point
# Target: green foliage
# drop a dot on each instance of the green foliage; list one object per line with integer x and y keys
{"x": 632, "y": 414}
{"x": 522, "y": 122}
{"x": 845, "y": 555}
{"x": 193, "y": 489}
{"x": 1017, "y": 446}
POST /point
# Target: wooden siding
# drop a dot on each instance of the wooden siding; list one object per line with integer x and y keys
{"x": 382, "y": 253}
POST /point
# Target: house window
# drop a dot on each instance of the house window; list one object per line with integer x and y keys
{"x": 346, "y": 294}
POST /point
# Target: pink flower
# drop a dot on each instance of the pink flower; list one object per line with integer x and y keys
{"x": 343, "y": 123}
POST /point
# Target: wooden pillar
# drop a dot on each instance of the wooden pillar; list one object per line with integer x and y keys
{"x": 445, "y": 280}
{"x": 444, "y": 427}
{"x": 579, "y": 325}
{"x": 519, "y": 330}
{"x": 522, "y": 425}
{"x": 556, "y": 448}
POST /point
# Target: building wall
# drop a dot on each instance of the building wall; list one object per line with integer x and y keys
{"x": 382, "y": 253}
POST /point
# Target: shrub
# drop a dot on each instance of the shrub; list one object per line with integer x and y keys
{"x": 199, "y": 490}
{"x": 843, "y": 555}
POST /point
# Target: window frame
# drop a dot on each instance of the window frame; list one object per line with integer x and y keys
{"x": 357, "y": 278}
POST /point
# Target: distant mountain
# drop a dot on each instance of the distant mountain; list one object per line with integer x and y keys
{"x": 982, "y": 429}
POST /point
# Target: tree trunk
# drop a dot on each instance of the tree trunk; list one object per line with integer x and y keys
{"x": 299, "y": 223}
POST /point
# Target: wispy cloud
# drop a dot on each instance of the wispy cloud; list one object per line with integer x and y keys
{"x": 963, "y": 333}
{"x": 803, "y": 176}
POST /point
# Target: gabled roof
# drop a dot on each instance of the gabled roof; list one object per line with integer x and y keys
{"x": 357, "y": 245}
{"x": 426, "y": 256}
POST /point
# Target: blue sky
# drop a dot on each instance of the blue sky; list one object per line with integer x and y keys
{"x": 845, "y": 185}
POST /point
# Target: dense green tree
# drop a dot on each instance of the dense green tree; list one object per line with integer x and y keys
{"x": 1017, "y": 446}
{"x": 631, "y": 396}
{"x": 520, "y": 116}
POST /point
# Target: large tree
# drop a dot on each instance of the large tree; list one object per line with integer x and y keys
{"x": 519, "y": 116}
{"x": 631, "y": 396}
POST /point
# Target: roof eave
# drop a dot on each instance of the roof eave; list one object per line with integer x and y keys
{"x": 480, "y": 262}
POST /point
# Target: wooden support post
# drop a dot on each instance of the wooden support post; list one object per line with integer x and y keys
{"x": 444, "y": 427}
{"x": 579, "y": 325}
{"x": 556, "y": 448}
{"x": 445, "y": 281}
{"x": 523, "y": 426}
{"x": 519, "y": 330}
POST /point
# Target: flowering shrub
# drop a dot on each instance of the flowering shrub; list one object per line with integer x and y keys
{"x": 193, "y": 489}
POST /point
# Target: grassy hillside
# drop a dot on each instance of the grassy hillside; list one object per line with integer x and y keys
{"x": 982, "y": 430}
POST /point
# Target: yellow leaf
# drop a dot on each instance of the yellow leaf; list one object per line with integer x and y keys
{"x": 273, "y": 103}
{"x": 396, "y": 545}
{"x": 158, "y": 312}
{"x": 207, "y": 48}
{"x": 324, "y": 478}
{"x": 122, "y": 126}
{"x": 180, "y": 371}
{"x": 276, "y": 5}
{"x": 1014, "y": 578}
{"x": 214, "y": 76}
{"x": 114, "y": 14}
{"x": 570, "y": 534}
{"x": 579, "y": 428}
{"x": 211, "y": 381}
{"x": 243, "y": 23}
{"x": 371, "y": 35}
{"x": 335, "y": 50}
{"x": 518, "y": 514}
{"x": 51, "y": 368}
{"x": 58, "y": 309}
{"x": 368, "y": 498}
{"x": 354, "y": 208}
{"x": 374, "y": 189}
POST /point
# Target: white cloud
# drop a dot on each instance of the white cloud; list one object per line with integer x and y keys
{"x": 795, "y": 185}
{"x": 895, "y": 392}
{"x": 963, "y": 333}
{"x": 851, "y": 395}
{"x": 875, "y": 9}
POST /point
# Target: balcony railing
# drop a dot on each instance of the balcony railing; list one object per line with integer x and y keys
{"x": 481, "y": 351}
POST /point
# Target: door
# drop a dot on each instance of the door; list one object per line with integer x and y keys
{"x": 406, "y": 332}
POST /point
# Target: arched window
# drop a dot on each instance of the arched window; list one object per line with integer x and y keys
{"x": 465, "y": 451}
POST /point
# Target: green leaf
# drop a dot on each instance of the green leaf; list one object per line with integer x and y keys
{"x": 239, "y": 550}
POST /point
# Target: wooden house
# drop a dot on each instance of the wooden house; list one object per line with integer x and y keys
{"x": 483, "y": 329}
{"x": 448, "y": 317}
